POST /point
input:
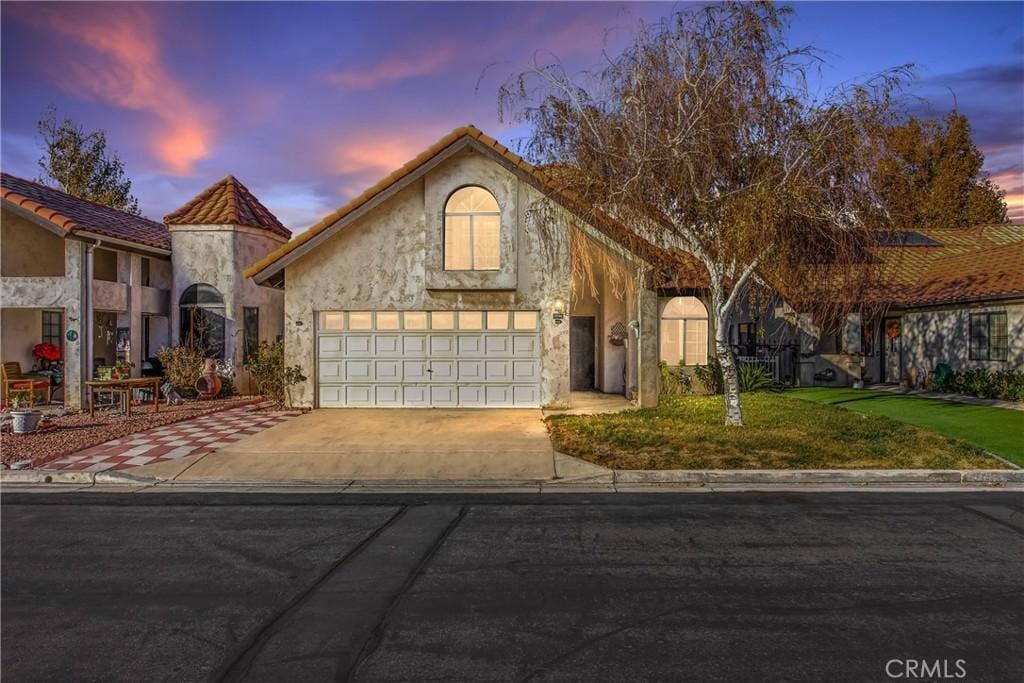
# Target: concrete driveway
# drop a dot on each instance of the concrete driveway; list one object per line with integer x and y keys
{"x": 380, "y": 444}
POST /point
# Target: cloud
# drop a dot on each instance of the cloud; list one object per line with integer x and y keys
{"x": 122, "y": 66}
{"x": 395, "y": 67}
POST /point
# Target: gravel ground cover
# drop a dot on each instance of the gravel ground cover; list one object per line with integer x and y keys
{"x": 72, "y": 433}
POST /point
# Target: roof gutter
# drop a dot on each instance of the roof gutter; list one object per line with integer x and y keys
{"x": 122, "y": 244}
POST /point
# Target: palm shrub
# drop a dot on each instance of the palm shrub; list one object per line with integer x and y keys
{"x": 754, "y": 378}
{"x": 271, "y": 376}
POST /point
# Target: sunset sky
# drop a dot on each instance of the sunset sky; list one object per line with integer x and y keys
{"x": 308, "y": 103}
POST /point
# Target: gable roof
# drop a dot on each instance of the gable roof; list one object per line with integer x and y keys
{"x": 73, "y": 214}
{"x": 961, "y": 265}
{"x": 459, "y": 138}
{"x": 227, "y": 202}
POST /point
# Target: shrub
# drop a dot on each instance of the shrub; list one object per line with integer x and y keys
{"x": 226, "y": 372}
{"x": 754, "y": 378}
{"x": 674, "y": 380}
{"x": 710, "y": 376}
{"x": 271, "y": 376}
{"x": 1007, "y": 385}
{"x": 183, "y": 365}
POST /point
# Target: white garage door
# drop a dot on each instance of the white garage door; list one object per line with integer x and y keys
{"x": 428, "y": 359}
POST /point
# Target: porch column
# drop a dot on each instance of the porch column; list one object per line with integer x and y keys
{"x": 75, "y": 291}
{"x": 135, "y": 312}
{"x": 647, "y": 347}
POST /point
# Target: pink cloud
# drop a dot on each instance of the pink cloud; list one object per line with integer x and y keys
{"x": 122, "y": 66}
{"x": 393, "y": 68}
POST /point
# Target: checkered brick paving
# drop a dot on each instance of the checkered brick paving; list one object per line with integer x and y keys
{"x": 170, "y": 442}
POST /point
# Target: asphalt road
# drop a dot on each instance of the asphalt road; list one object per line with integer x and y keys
{"x": 795, "y": 587}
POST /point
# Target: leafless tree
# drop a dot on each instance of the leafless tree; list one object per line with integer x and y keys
{"x": 706, "y": 137}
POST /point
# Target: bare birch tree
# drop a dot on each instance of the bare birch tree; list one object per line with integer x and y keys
{"x": 705, "y": 136}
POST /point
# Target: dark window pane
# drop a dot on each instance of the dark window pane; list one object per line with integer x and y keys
{"x": 997, "y": 335}
{"x": 52, "y": 328}
{"x": 251, "y": 317}
{"x": 979, "y": 336}
{"x": 145, "y": 272}
{"x": 198, "y": 295}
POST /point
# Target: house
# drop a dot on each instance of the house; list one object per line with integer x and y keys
{"x": 952, "y": 296}
{"x": 464, "y": 279}
{"x": 105, "y": 285}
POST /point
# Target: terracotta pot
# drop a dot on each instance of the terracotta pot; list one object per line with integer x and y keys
{"x": 209, "y": 384}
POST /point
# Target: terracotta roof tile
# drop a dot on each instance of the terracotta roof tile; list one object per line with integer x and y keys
{"x": 72, "y": 214}
{"x": 973, "y": 264}
{"x": 227, "y": 202}
{"x": 606, "y": 224}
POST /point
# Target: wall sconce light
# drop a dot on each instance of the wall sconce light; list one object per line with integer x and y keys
{"x": 558, "y": 311}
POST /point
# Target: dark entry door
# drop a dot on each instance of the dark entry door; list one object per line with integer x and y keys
{"x": 581, "y": 352}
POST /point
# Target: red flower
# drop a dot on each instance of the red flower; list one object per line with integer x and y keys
{"x": 50, "y": 352}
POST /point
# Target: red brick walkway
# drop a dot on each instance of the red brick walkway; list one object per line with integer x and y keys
{"x": 170, "y": 442}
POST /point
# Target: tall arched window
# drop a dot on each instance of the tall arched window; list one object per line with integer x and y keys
{"x": 202, "y": 319}
{"x": 684, "y": 331}
{"x": 472, "y": 230}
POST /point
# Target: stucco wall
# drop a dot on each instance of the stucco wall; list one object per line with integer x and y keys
{"x": 21, "y": 330}
{"x": 938, "y": 336}
{"x": 385, "y": 259}
{"x": 27, "y": 249}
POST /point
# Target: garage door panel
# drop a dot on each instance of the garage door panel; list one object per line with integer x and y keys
{"x": 358, "y": 346}
{"x": 442, "y": 345}
{"x": 470, "y": 345}
{"x": 498, "y": 395}
{"x": 415, "y": 371}
{"x": 388, "y": 395}
{"x": 331, "y": 371}
{"x": 358, "y": 370}
{"x": 332, "y": 397}
{"x": 387, "y": 371}
{"x": 471, "y": 370}
{"x": 525, "y": 370}
{"x": 332, "y": 347}
{"x": 387, "y": 345}
{"x": 442, "y": 371}
{"x": 471, "y": 396}
{"x": 414, "y": 345}
{"x": 525, "y": 395}
{"x": 359, "y": 395}
{"x": 524, "y": 345}
{"x": 417, "y": 396}
{"x": 443, "y": 396}
{"x": 498, "y": 370}
{"x": 498, "y": 345}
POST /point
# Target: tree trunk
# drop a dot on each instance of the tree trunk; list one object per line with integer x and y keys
{"x": 730, "y": 379}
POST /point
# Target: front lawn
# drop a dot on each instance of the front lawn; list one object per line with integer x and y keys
{"x": 781, "y": 432}
{"x": 997, "y": 430}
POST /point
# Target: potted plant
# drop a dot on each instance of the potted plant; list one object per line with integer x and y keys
{"x": 23, "y": 420}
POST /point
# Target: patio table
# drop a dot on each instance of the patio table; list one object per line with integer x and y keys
{"x": 123, "y": 389}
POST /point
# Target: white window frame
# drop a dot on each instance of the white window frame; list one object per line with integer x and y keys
{"x": 472, "y": 231}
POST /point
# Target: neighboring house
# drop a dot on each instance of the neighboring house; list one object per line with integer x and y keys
{"x": 91, "y": 279}
{"x": 456, "y": 282}
{"x": 952, "y": 296}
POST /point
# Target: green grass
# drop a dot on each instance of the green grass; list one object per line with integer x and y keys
{"x": 997, "y": 430}
{"x": 781, "y": 432}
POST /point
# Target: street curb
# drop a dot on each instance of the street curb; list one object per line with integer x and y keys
{"x": 653, "y": 478}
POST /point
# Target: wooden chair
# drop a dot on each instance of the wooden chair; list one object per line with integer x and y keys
{"x": 14, "y": 380}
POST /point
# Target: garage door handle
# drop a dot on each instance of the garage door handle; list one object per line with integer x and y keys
{"x": 429, "y": 370}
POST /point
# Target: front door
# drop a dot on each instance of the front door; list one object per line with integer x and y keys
{"x": 581, "y": 352}
{"x": 892, "y": 336}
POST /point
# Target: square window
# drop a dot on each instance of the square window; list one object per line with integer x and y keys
{"x": 442, "y": 320}
{"x": 360, "y": 320}
{"x": 387, "y": 320}
{"x": 415, "y": 320}
{"x": 497, "y": 320}
{"x": 332, "y": 321}
{"x": 471, "y": 320}
{"x": 524, "y": 320}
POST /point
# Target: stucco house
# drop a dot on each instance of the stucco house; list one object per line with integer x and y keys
{"x": 105, "y": 285}
{"x": 464, "y": 280}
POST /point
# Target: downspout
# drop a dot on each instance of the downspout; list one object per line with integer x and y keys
{"x": 88, "y": 316}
